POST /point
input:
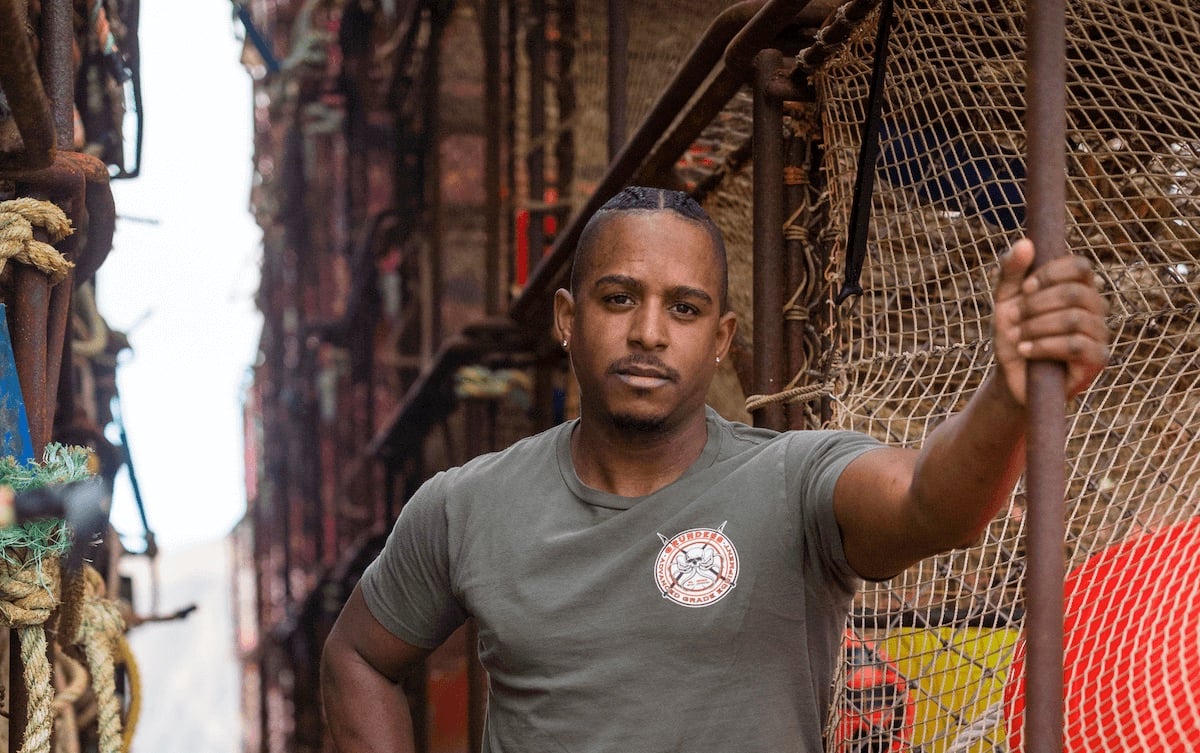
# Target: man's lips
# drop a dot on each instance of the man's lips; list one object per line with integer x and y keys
{"x": 643, "y": 371}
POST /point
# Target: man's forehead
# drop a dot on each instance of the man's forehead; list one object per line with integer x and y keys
{"x": 661, "y": 235}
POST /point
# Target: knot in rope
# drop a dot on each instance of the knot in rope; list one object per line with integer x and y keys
{"x": 28, "y": 589}
{"x": 18, "y": 217}
{"x": 29, "y": 584}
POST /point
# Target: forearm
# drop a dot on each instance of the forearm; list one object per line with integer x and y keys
{"x": 366, "y": 712}
{"x": 968, "y": 466}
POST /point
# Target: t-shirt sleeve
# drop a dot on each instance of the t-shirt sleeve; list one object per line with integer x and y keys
{"x": 815, "y": 463}
{"x": 408, "y": 587}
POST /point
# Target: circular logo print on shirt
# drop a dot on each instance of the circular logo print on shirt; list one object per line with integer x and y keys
{"x": 696, "y": 568}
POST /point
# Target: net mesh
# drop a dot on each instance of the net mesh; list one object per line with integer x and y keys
{"x": 930, "y": 654}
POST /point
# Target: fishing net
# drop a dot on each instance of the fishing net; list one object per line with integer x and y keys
{"x": 934, "y": 656}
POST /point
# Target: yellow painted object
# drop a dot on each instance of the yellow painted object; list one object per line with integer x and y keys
{"x": 956, "y": 679}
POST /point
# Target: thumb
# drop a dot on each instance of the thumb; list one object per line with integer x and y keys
{"x": 1014, "y": 265}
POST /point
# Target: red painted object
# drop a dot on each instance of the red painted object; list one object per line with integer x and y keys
{"x": 878, "y": 717}
{"x": 1132, "y": 648}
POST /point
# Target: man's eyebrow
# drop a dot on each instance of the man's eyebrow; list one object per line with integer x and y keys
{"x": 624, "y": 281}
{"x": 686, "y": 291}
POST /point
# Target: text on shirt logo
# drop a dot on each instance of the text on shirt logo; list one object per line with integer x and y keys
{"x": 696, "y": 568}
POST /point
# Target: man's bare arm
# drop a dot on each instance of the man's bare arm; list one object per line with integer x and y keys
{"x": 897, "y": 506}
{"x": 361, "y": 667}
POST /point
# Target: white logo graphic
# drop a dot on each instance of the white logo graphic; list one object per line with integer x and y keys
{"x": 696, "y": 568}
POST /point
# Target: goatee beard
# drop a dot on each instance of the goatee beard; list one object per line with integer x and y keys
{"x": 639, "y": 424}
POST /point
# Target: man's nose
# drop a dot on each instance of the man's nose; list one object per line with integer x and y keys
{"x": 649, "y": 328}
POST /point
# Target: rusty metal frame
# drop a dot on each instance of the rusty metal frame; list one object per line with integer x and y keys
{"x": 726, "y": 48}
{"x": 23, "y": 88}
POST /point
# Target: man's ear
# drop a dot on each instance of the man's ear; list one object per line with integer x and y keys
{"x": 564, "y": 314}
{"x": 726, "y": 328}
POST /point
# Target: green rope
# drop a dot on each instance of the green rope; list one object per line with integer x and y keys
{"x": 61, "y": 464}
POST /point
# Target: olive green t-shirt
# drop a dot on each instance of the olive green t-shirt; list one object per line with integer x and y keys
{"x": 703, "y": 617}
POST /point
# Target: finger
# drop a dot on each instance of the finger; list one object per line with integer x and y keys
{"x": 1078, "y": 349}
{"x": 1065, "y": 322}
{"x": 1062, "y": 297}
{"x": 1065, "y": 269}
{"x": 1014, "y": 265}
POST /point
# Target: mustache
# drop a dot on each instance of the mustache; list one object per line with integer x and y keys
{"x": 636, "y": 361}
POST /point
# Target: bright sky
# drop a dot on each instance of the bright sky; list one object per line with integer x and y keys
{"x": 183, "y": 288}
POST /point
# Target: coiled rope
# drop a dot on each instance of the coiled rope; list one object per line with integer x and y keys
{"x": 18, "y": 217}
{"x": 29, "y": 582}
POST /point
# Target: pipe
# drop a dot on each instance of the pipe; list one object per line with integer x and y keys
{"x": 57, "y": 66}
{"x": 23, "y": 89}
{"x": 1045, "y": 453}
{"x": 535, "y": 161}
{"x": 30, "y": 319}
{"x": 797, "y": 252}
{"x": 618, "y": 75}
{"x": 492, "y": 66}
{"x": 768, "y": 240}
{"x": 564, "y": 147}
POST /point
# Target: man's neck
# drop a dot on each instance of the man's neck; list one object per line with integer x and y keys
{"x": 634, "y": 464}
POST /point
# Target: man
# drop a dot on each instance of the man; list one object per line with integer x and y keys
{"x": 652, "y": 577}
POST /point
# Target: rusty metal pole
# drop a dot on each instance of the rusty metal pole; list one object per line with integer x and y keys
{"x": 1045, "y": 198}
{"x": 535, "y": 161}
{"x": 23, "y": 89}
{"x": 57, "y": 66}
{"x": 768, "y": 239}
{"x": 618, "y": 75}
{"x": 492, "y": 114}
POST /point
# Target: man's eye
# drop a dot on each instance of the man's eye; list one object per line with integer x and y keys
{"x": 685, "y": 309}
{"x": 620, "y": 299}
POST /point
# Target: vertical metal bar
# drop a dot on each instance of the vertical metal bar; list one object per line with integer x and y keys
{"x": 768, "y": 239}
{"x": 23, "y": 89}
{"x": 564, "y": 151}
{"x": 57, "y": 39}
{"x": 618, "y": 75}
{"x": 535, "y": 162}
{"x": 796, "y": 250}
{"x": 432, "y": 276}
{"x": 492, "y": 106}
{"x": 511, "y": 26}
{"x": 57, "y": 344}
{"x": 1045, "y": 477}
{"x": 31, "y": 316}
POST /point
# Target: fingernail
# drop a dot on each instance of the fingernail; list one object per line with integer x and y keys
{"x": 1025, "y": 348}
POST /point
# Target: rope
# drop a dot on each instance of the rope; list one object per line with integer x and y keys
{"x": 101, "y": 633}
{"x": 28, "y": 586}
{"x": 17, "y": 220}
{"x": 135, "y": 694}
{"x": 69, "y": 613}
{"x": 90, "y": 328}
{"x": 71, "y": 681}
{"x": 794, "y": 395}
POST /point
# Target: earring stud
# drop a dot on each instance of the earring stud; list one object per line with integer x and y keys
{"x": 718, "y": 359}
{"x": 564, "y": 343}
